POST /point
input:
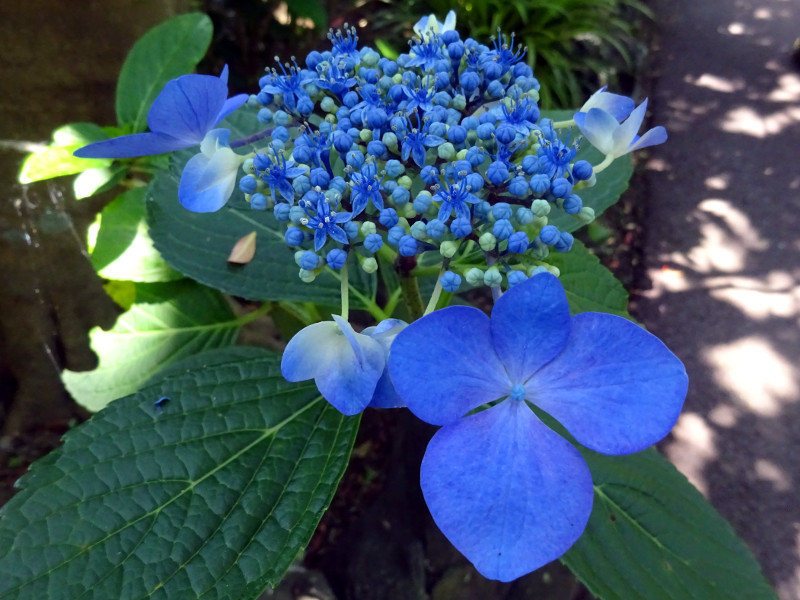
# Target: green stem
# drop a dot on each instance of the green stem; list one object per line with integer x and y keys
{"x": 345, "y": 292}
{"x": 563, "y": 124}
{"x": 604, "y": 164}
{"x": 410, "y": 286}
{"x": 437, "y": 292}
{"x": 257, "y": 313}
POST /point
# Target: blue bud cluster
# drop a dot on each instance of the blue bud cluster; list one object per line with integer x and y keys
{"x": 443, "y": 150}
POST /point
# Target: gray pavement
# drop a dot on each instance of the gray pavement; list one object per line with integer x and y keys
{"x": 722, "y": 255}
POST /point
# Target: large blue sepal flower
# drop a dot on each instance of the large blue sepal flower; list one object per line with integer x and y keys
{"x": 506, "y": 490}
{"x": 349, "y": 368}
{"x": 616, "y": 139}
{"x": 209, "y": 178}
{"x": 615, "y": 387}
{"x": 181, "y": 115}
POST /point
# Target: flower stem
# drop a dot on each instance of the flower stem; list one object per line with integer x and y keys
{"x": 563, "y": 124}
{"x": 345, "y": 292}
{"x": 250, "y": 139}
{"x": 437, "y": 291}
{"x": 410, "y": 286}
{"x": 606, "y": 162}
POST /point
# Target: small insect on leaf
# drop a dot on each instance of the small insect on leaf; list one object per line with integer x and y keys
{"x": 160, "y": 403}
{"x": 244, "y": 250}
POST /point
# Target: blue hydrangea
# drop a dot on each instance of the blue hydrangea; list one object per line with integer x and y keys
{"x": 614, "y": 387}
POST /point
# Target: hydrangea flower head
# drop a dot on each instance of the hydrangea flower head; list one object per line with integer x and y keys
{"x": 510, "y": 493}
{"x": 181, "y": 115}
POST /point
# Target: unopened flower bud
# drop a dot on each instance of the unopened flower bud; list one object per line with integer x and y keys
{"x": 474, "y": 276}
{"x": 492, "y": 277}
{"x": 487, "y": 241}
{"x": 448, "y": 249}
{"x": 369, "y": 264}
{"x": 307, "y": 276}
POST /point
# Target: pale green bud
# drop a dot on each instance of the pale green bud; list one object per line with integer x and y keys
{"x": 553, "y": 269}
{"x": 462, "y": 154}
{"x": 328, "y": 105}
{"x": 540, "y": 222}
{"x": 541, "y": 208}
{"x": 418, "y": 231}
{"x": 397, "y": 78}
{"x": 533, "y": 95}
{"x": 474, "y": 276}
{"x": 487, "y": 241}
{"x": 297, "y": 256}
{"x": 405, "y": 181}
{"x": 307, "y": 276}
{"x": 492, "y": 277}
{"x": 369, "y": 264}
{"x": 586, "y": 215}
{"x": 247, "y": 166}
{"x": 331, "y": 118}
{"x": 389, "y": 140}
{"x": 407, "y": 210}
{"x": 449, "y": 248}
{"x": 365, "y": 135}
{"x": 367, "y": 228}
{"x": 459, "y": 102}
{"x": 446, "y": 151}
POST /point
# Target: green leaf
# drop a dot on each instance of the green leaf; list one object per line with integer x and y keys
{"x": 198, "y": 245}
{"x": 94, "y": 181}
{"x": 56, "y": 160}
{"x": 212, "y": 497}
{"x": 165, "y": 52}
{"x": 589, "y": 285}
{"x": 652, "y": 536}
{"x": 122, "y": 248}
{"x": 611, "y": 183}
{"x": 167, "y": 322}
{"x": 310, "y": 9}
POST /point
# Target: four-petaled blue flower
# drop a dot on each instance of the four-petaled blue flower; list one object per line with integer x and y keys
{"x": 349, "y": 368}
{"x": 324, "y": 221}
{"x": 507, "y": 491}
{"x": 181, "y": 115}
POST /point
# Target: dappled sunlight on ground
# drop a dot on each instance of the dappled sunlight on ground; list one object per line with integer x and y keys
{"x": 723, "y": 261}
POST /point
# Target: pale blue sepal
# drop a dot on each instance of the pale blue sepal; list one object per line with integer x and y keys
{"x": 384, "y": 333}
{"x": 209, "y": 178}
{"x": 345, "y": 365}
{"x": 506, "y": 490}
{"x": 530, "y": 325}
{"x": 598, "y": 127}
{"x": 444, "y": 365}
{"x": 617, "y": 106}
{"x": 615, "y": 387}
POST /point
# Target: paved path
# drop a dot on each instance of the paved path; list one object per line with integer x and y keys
{"x": 723, "y": 260}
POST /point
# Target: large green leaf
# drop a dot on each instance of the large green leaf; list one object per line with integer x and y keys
{"x": 211, "y": 497}
{"x": 165, "y": 52}
{"x": 198, "y": 245}
{"x": 589, "y": 285}
{"x": 652, "y": 536}
{"x": 56, "y": 159}
{"x": 611, "y": 183}
{"x": 167, "y": 322}
{"x": 122, "y": 248}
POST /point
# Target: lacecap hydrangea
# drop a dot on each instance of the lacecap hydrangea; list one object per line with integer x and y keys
{"x": 441, "y": 162}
